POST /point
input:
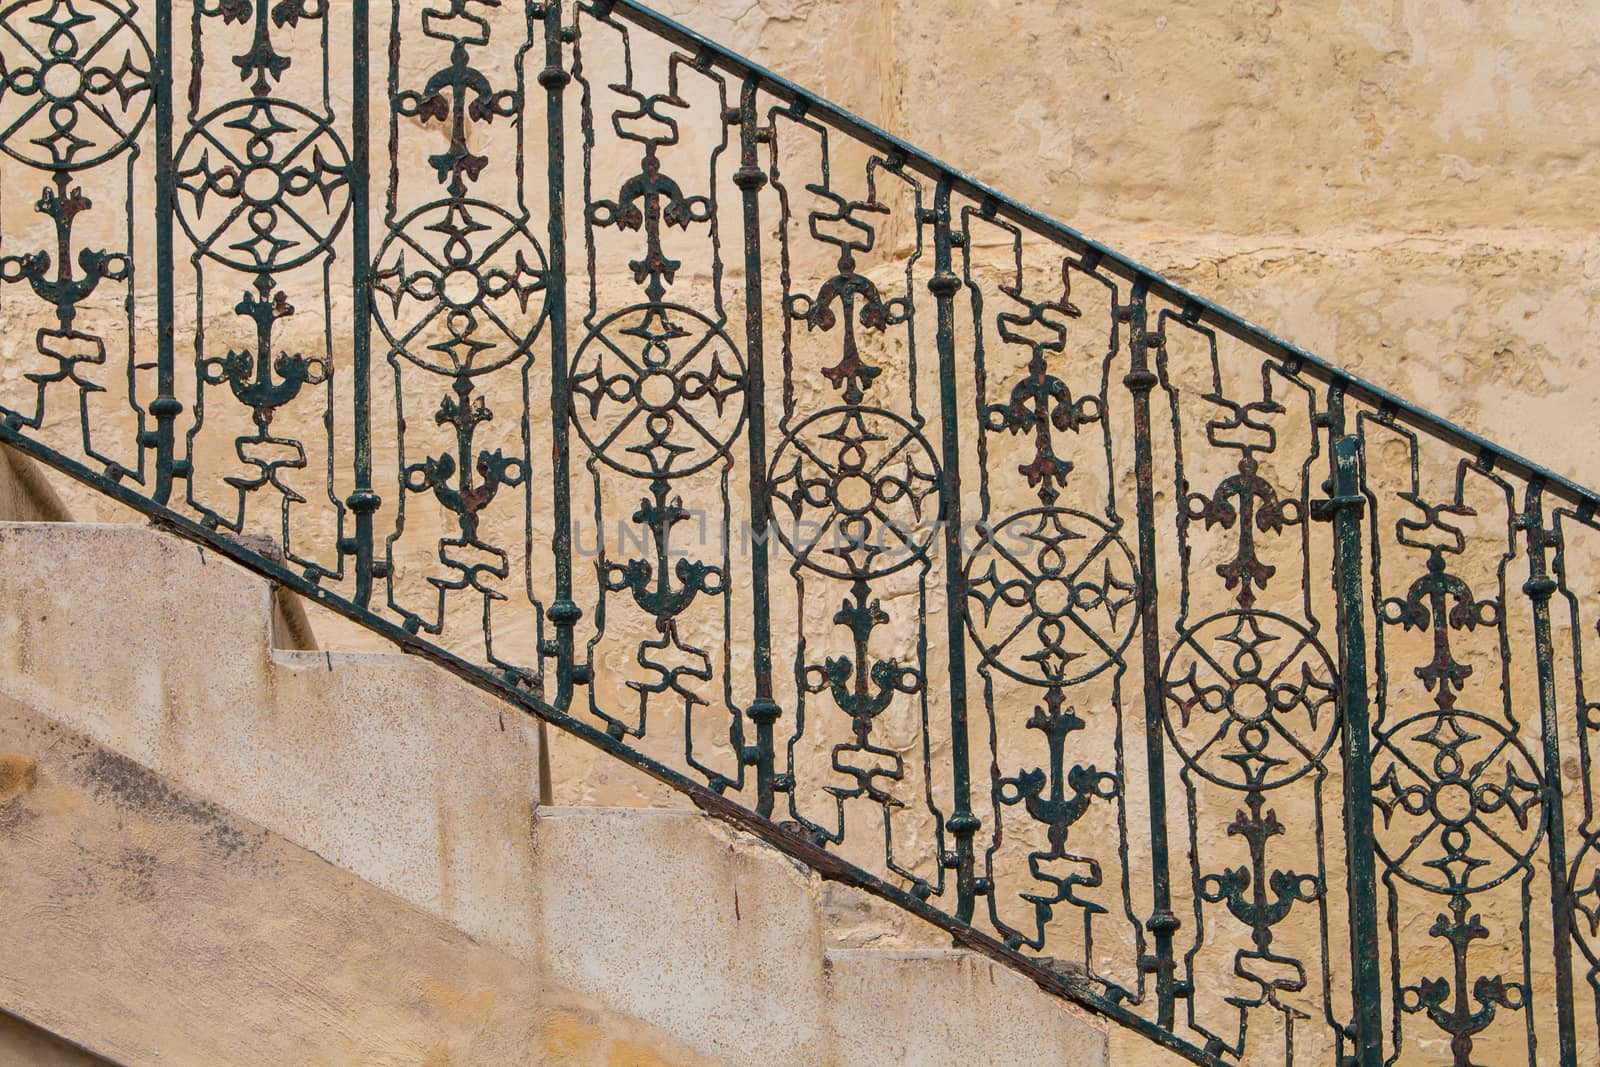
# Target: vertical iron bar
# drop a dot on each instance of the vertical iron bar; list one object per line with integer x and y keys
{"x": 1539, "y": 587}
{"x": 1163, "y": 923}
{"x": 166, "y": 407}
{"x": 363, "y": 502}
{"x": 944, "y": 285}
{"x": 1345, "y": 507}
{"x": 564, "y": 611}
{"x": 764, "y": 710}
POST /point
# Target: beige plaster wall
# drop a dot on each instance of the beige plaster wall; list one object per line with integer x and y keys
{"x": 1404, "y": 187}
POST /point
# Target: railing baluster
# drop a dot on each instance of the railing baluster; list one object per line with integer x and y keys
{"x": 764, "y": 710}
{"x": 1539, "y": 587}
{"x": 564, "y": 611}
{"x": 1344, "y": 509}
{"x": 944, "y": 285}
{"x": 363, "y": 502}
{"x": 166, "y": 407}
{"x": 1163, "y": 922}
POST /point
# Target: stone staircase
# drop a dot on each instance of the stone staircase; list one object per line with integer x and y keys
{"x": 221, "y": 851}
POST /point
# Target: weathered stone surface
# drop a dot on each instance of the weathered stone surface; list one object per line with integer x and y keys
{"x": 1255, "y": 118}
{"x": 25, "y": 1045}
{"x": 389, "y": 769}
{"x": 1487, "y": 328}
{"x": 671, "y": 919}
{"x": 18, "y": 774}
{"x": 1396, "y": 186}
{"x": 919, "y": 1007}
{"x": 678, "y": 924}
{"x": 27, "y": 491}
{"x": 154, "y": 927}
{"x": 381, "y": 763}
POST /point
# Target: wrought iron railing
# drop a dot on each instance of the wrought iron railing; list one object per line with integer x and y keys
{"x": 943, "y": 548}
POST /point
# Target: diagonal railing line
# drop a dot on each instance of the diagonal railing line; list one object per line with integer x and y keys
{"x": 1197, "y": 308}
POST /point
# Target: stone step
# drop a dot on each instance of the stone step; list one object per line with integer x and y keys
{"x": 424, "y": 790}
{"x": 151, "y": 928}
{"x": 382, "y": 764}
{"x": 24, "y": 1045}
{"x": 685, "y": 925}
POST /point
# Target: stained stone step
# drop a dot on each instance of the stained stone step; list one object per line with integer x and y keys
{"x": 151, "y": 659}
{"x": 155, "y": 928}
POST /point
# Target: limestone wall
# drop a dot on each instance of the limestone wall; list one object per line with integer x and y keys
{"x": 1405, "y": 187}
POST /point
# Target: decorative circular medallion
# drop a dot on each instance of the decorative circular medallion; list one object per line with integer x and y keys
{"x": 74, "y": 82}
{"x": 1584, "y": 889}
{"x": 854, "y": 493}
{"x": 1052, "y": 596}
{"x": 459, "y": 287}
{"x": 658, "y": 391}
{"x": 1250, "y": 699}
{"x": 263, "y": 185}
{"x": 1458, "y": 800}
